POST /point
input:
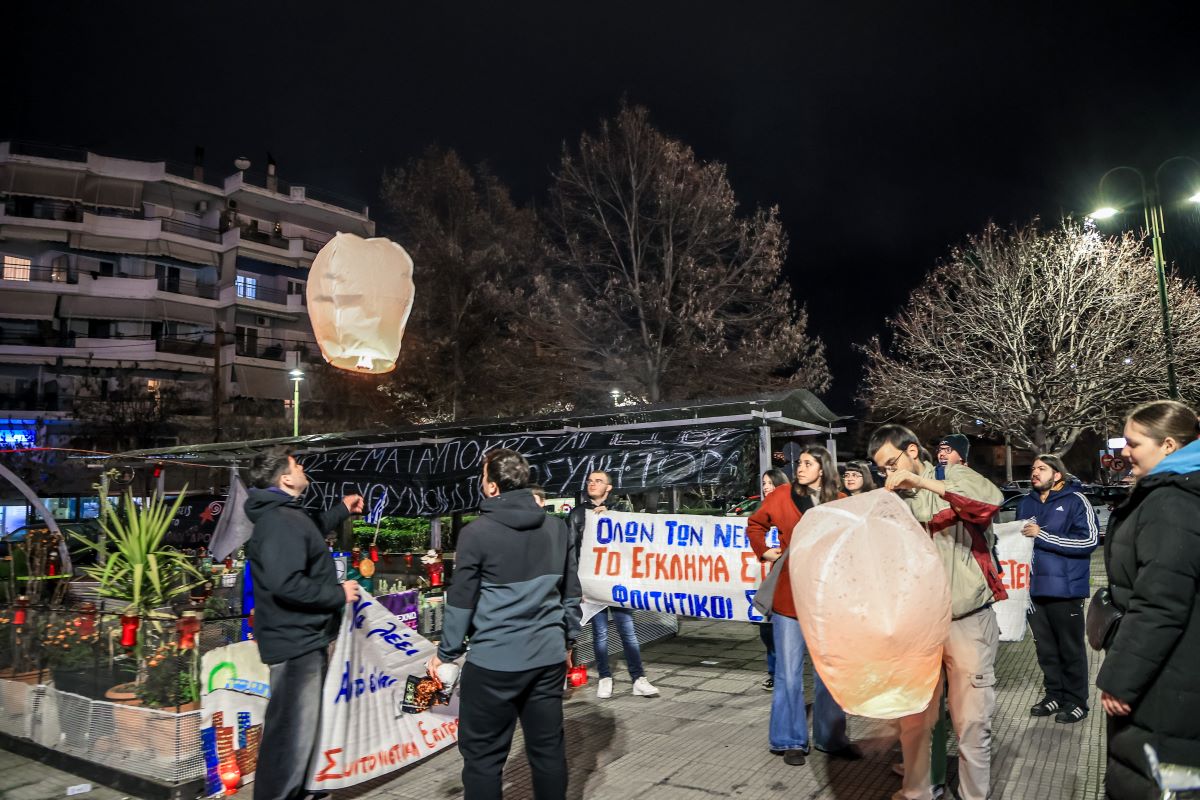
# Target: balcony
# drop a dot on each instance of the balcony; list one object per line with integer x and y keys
{"x": 185, "y": 346}
{"x": 172, "y": 285}
{"x": 29, "y": 401}
{"x": 55, "y": 274}
{"x": 42, "y": 208}
{"x": 194, "y": 231}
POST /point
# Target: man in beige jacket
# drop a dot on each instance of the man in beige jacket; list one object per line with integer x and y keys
{"x": 957, "y": 512}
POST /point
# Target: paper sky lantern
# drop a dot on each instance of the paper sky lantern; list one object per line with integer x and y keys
{"x": 873, "y": 603}
{"x": 360, "y": 292}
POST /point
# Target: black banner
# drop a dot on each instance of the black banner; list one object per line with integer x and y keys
{"x": 433, "y": 479}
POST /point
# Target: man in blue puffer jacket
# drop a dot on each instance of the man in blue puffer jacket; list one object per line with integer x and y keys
{"x": 1063, "y": 527}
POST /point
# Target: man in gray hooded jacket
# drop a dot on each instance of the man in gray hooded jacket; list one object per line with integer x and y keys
{"x": 516, "y": 593}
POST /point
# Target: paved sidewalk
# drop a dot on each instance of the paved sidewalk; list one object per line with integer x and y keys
{"x": 706, "y": 737}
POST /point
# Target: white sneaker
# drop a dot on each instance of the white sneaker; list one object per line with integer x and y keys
{"x": 643, "y": 688}
{"x": 604, "y": 688}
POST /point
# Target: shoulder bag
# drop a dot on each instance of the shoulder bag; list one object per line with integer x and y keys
{"x": 764, "y": 598}
{"x": 1103, "y": 618}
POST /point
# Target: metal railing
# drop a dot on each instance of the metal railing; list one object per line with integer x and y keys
{"x": 187, "y": 229}
{"x": 42, "y": 208}
{"x": 40, "y": 150}
{"x": 32, "y": 274}
{"x": 262, "y": 293}
{"x": 29, "y": 401}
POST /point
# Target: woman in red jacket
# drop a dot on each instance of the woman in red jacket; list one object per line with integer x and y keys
{"x": 816, "y": 482}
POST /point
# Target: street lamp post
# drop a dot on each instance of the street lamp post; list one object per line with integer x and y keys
{"x": 297, "y": 375}
{"x": 1153, "y": 215}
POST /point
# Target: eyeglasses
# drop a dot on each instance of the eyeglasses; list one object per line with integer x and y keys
{"x": 944, "y": 448}
{"x": 890, "y": 464}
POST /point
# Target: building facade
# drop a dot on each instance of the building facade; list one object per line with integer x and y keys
{"x": 144, "y": 303}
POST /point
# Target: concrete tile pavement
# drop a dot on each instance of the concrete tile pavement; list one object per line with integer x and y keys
{"x": 706, "y": 737}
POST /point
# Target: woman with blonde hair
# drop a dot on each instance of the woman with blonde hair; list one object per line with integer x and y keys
{"x": 1148, "y": 682}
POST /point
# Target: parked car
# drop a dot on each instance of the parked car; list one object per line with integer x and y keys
{"x": 744, "y": 506}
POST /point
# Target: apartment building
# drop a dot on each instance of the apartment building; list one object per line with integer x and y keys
{"x": 130, "y": 284}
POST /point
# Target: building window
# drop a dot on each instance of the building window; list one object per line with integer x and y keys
{"x": 247, "y": 286}
{"x": 297, "y": 287}
{"x": 17, "y": 269}
{"x": 247, "y": 341}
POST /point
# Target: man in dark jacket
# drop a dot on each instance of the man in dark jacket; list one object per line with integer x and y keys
{"x": 1062, "y": 524}
{"x": 516, "y": 593}
{"x": 298, "y": 601}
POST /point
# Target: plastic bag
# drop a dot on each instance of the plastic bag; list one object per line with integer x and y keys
{"x": 873, "y": 602}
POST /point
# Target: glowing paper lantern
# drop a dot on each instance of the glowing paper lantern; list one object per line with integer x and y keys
{"x": 873, "y": 602}
{"x": 360, "y": 292}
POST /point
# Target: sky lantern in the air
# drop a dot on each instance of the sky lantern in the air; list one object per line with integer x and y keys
{"x": 360, "y": 292}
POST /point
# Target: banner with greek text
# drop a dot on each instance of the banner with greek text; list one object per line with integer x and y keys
{"x": 376, "y": 713}
{"x": 430, "y": 479}
{"x": 682, "y": 564}
{"x": 1016, "y": 560}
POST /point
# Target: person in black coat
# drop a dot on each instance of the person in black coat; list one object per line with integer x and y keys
{"x": 1150, "y": 680}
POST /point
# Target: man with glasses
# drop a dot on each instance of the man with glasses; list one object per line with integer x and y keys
{"x": 951, "y": 449}
{"x": 957, "y": 511}
{"x": 599, "y": 487}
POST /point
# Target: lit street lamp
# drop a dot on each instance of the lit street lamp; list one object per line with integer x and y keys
{"x": 297, "y": 375}
{"x": 1153, "y": 213}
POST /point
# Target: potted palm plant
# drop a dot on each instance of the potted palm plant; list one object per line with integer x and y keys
{"x": 136, "y": 569}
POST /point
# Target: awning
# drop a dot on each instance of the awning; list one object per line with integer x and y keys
{"x": 112, "y": 192}
{"x": 264, "y": 383}
{"x": 36, "y": 181}
{"x": 78, "y": 306}
{"x": 192, "y": 256}
{"x": 187, "y": 312}
{"x": 27, "y": 305}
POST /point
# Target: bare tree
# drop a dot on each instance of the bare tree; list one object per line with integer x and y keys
{"x": 659, "y": 286}
{"x": 473, "y": 248}
{"x": 1039, "y": 334}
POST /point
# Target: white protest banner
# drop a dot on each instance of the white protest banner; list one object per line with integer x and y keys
{"x": 683, "y": 564}
{"x": 367, "y": 729}
{"x": 1016, "y": 559}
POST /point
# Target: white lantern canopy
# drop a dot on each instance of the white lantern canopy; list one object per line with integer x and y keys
{"x": 873, "y": 602}
{"x": 360, "y": 293}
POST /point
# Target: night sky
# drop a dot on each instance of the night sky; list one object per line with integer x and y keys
{"x": 886, "y": 132}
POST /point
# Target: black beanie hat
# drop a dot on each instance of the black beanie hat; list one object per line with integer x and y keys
{"x": 958, "y": 443}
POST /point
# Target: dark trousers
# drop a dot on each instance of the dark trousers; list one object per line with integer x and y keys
{"x": 1057, "y": 625}
{"x": 490, "y": 704}
{"x": 291, "y": 726}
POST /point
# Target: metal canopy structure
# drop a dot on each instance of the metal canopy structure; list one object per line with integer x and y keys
{"x": 796, "y": 412}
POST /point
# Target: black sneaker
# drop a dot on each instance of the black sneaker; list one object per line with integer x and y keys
{"x": 769, "y": 683}
{"x": 1071, "y": 715}
{"x": 1045, "y": 708}
{"x": 794, "y": 758}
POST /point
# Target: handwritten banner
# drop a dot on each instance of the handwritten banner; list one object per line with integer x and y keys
{"x": 443, "y": 477}
{"x": 368, "y": 727}
{"x": 1016, "y": 559}
{"x": 682, "y": 564}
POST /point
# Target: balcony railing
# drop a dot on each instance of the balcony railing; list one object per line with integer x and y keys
{"x": 185, "y": 287}
{"x": 262, "y": 294}
{"x": 28, "y": 338}
{"x": 29, "y": 401}
{"x": 185, "y": 346}
{"x": 39, "y": 150}
{"x": 313, "y": 245}
{"x": 194, "y": 231}
{"x": 41, "y": 208}
{"x": 31, "y": 274}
